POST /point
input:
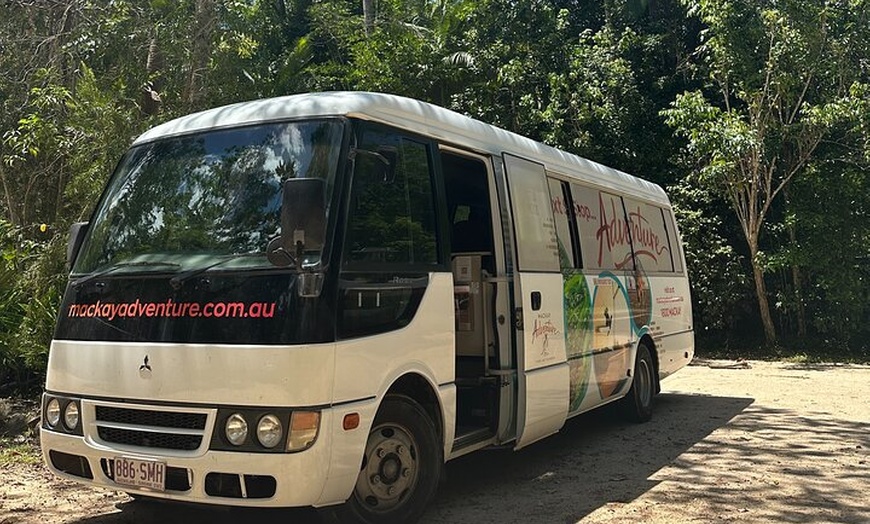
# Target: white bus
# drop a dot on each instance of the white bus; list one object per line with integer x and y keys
{"x": 318, "y": 300}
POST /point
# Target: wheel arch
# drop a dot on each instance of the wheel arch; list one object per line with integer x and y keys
{"x": 416, "y": 387}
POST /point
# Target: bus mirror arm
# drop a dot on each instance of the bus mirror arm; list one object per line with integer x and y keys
{"x": 383, "y": 167}
{"x": 77, "y": 234}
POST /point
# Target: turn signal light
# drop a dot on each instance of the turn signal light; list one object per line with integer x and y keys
{"x": 351, "y": 421}
{"x": 304, "y": 426}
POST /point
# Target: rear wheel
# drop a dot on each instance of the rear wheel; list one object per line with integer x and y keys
{"x": 400, "y": 469}
{"x": 638, "y": 404}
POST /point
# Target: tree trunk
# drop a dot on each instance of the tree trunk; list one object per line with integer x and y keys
{"x": 11, "y": 216}
{"x": 151, "y": 101}
{"x": 369, "y": 15}
{"x": 799, "y": 298}
{"x": 761, "y": 293}
{"x": 795, "y": 270}
{"x": 204, "y": 23}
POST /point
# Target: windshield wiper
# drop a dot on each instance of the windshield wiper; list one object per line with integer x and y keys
{"x": 120, "y": 265}
{"x": 179, "y": 279}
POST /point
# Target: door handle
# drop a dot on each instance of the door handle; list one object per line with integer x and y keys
{"x": 536, "y": 300}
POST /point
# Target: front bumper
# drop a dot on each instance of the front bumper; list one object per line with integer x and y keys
{"x": 231, "y": 478}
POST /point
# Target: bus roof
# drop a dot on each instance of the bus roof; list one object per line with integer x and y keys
{"x": 413, "y": 115}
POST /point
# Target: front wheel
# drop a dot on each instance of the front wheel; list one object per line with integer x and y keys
{"x": 638, "y": 403}
{"x": 400, "y": 469}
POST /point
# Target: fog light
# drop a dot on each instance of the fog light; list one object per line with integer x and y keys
{"x": 269, "y": 431}
{"x": 303, "y": 430}
{"x": 236, "y": 429}
{"x": 71, "y": 416}
{"x": 52, "y": 413}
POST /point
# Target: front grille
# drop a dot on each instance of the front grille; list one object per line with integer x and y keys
{"x": 148, "y": 439}
{"x": 150, "y": 428}
{"x": 144, "y": 417}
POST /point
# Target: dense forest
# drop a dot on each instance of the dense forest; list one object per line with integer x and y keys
{"x": 753, "y": 114}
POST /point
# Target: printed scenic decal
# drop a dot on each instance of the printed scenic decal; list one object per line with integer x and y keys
{"x": 609, "y": 303}
{"x": 578, "y": 321}
{"x": 640, "y": 298}
{"x": 609, "y": 307}
{"x": 613, "y": 232}
{"x": 648, "y": 234}
{"x": 578, "y": 317}
{"x": 611, "y": 334}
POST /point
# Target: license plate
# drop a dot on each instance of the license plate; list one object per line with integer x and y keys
{"x": 140, "y": 473}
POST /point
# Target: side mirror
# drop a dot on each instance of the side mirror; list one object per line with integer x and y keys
{"x": 77, "y": 234}
{"x": 303, "y": 220}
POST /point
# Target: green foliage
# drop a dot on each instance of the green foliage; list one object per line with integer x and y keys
{"x": 12, "y": 451}
{"x": 30, "y": 288}
{"x": 594, "y": 101}
{"x": 781, "y": 78}
{"x": 720, "y": 286}
{"x": 756, "y": 115}
{"x": 829, "y": 213}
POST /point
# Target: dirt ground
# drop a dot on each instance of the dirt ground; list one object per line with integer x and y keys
{"x": 733, "y": 442}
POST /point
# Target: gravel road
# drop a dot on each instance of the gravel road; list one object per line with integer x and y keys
{"x": 734, "y": 442}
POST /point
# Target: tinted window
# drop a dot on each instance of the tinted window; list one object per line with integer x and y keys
{"x": 562, "y": 214}
{"x": 391, "y": 241}
{"x": 190, "y": 200}
{"x": 649, "y": 238}
{"x": 676, "y": 247}
{"x": 392, "y": 208}
{"x": 605, "y": 239}
{"x": 537, "y": 246}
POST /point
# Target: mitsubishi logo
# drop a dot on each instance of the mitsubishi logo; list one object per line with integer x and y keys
{"x": 145, "y": 366}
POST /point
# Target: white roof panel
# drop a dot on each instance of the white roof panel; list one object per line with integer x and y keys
{"x": 413, "y": 115}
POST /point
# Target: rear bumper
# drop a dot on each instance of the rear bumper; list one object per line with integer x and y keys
{"x": 675, "y": 352}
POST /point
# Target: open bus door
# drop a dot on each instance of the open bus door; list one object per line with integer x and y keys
{"x": 542, "y": 368}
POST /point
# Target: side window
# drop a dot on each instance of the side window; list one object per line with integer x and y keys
{"x": 605, "y": 238}
{"x": 391, "y": 218}
{"x": 652, "y": 251}
{"x": 674, "y": 238}
{"x": 537, "y": 247}
{"x": 391, "y": 240}
{"x": 562, "y": 214}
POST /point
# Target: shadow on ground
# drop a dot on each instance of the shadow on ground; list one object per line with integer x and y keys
{"x": 594, "y": 460}
{"x": 777, "y": 465}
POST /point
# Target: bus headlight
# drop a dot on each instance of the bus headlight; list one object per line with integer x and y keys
{"x": 262, "y": 429}
{"x": 304, "y": 426}
{"x": 71, "y": 416}
{"x": 236, "y": 429}
{"x": 269, "y": 431}
{"x": 52, "y": 413}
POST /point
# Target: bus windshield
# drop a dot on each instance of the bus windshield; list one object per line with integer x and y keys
{"x": 210, "y": 199}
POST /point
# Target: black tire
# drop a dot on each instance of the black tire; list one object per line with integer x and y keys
{"x": 400, "y": 469}
{"x": 637, "y": 406}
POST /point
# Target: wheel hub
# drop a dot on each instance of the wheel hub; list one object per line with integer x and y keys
{"x": 389, "y": 470}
